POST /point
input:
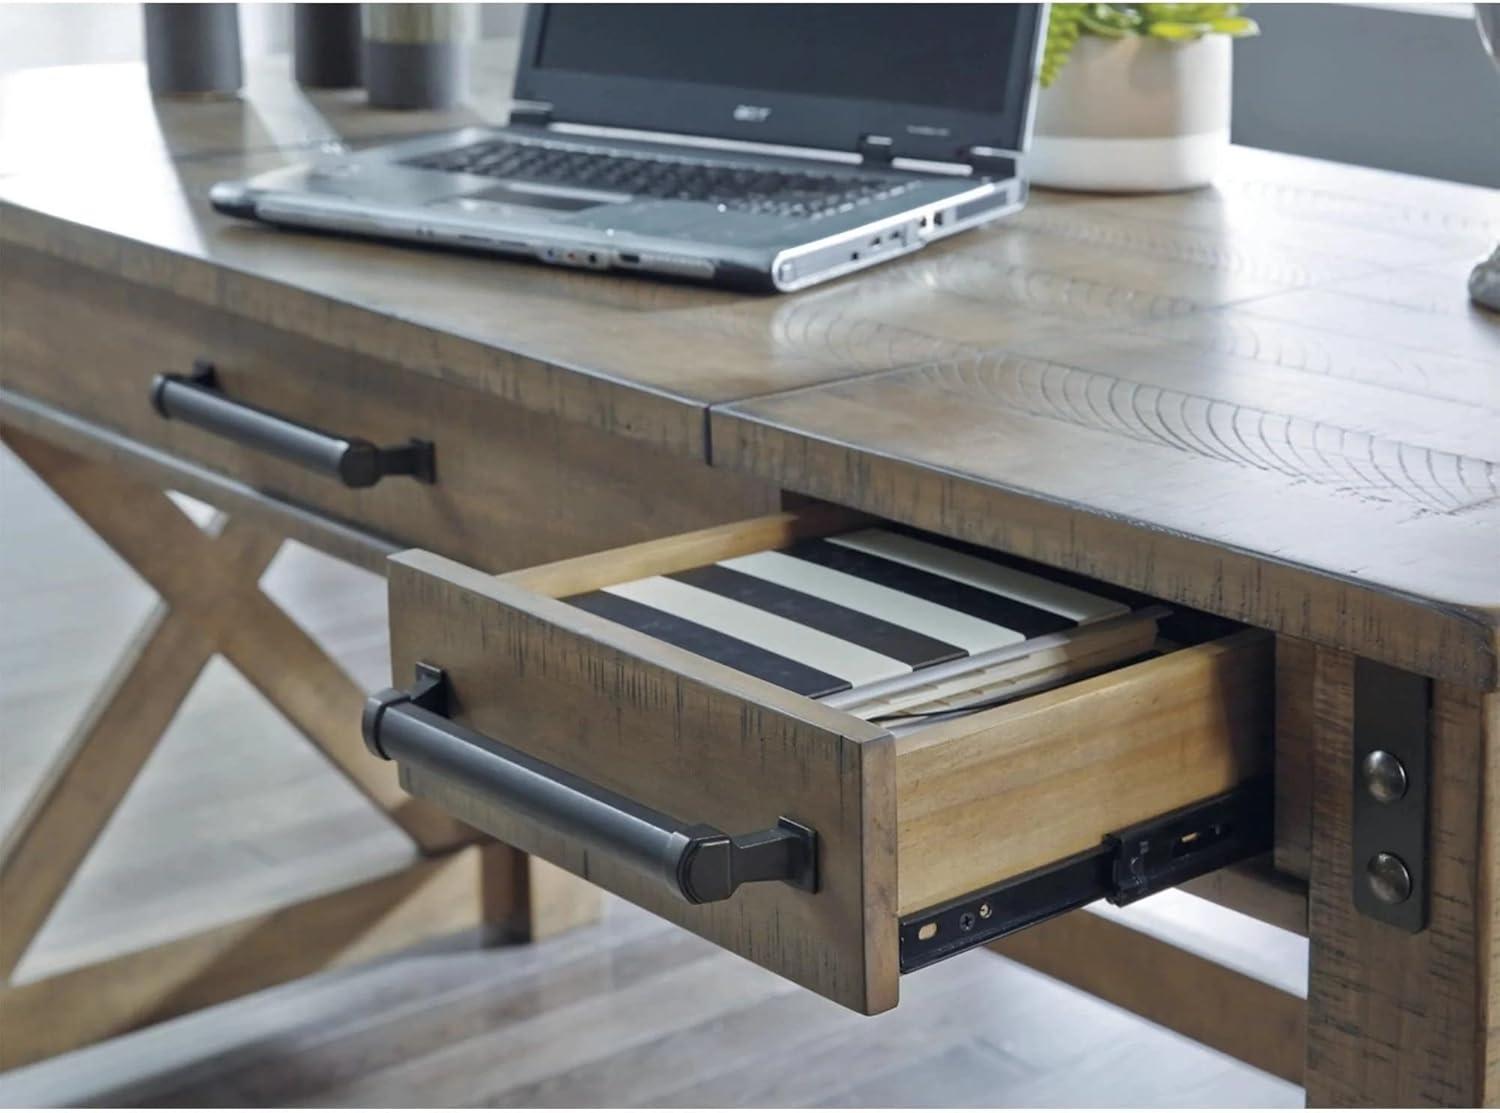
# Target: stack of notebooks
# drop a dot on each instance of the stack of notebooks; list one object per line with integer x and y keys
{"x": 888, "y": 625}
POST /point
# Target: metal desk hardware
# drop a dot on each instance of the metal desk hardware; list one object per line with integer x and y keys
{"x": 1390, "y": 779}
{"x": 1125, "y": 867}
{"x": 197, "y": 399}
{"x": 699, "y": 863}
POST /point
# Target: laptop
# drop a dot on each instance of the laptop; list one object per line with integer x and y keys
{"x": 753, "y": 146}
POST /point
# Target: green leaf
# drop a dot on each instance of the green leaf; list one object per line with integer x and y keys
{"x": 1237, "y": 26}
{"x": 1188, "y": 13}
{"x": 1104, "y": 30}
{"x": 1177, "y": 32}
{"x": 1171, "y": 22}
{"x": 1062, "y": 32}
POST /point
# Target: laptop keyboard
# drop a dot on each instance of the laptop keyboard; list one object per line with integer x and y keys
{"x": 742, "y": 187}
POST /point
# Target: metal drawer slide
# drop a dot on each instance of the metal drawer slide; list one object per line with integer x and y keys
{"x": 1125, "y": 867}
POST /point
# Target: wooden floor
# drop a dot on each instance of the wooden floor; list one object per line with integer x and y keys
{"x": 234, "y": 814}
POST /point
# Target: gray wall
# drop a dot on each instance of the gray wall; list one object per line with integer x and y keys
{"x": 1396, "y": 89}
{"x": 496, "y": 20}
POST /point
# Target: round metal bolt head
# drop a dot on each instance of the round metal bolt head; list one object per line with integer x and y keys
{"x": 1388, "y": 878}
{"x": 1384, "y": 776}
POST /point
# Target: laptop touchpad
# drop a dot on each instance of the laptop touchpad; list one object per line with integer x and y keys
{"x": 557, "y": 201}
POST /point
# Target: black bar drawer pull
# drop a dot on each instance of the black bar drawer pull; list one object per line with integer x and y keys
{"x": 698, "y": 863}
{"x": 198, "y": 400}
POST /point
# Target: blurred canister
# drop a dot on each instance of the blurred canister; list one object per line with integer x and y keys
{"x": 327, "y": 45}
{"x": 415, "y": 54}
{"x": 193, "y": 49}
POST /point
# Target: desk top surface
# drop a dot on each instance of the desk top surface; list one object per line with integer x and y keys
{"x": 1271, "y": 398}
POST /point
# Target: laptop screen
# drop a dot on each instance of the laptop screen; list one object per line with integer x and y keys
{"x": 933, "y": 78}
{"x": 863, "y": 51}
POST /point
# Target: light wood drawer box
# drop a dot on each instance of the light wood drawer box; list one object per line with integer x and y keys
{"x": 902, "y": 825}
{"x": 513, "y": 487}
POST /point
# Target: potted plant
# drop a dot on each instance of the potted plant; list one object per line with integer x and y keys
{"x": 1135, "y": 97}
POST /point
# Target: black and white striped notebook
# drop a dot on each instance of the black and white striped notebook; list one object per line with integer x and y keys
{"x": 866, "y": 611}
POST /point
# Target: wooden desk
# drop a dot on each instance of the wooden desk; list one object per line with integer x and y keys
{"x": 1270, "y": 401}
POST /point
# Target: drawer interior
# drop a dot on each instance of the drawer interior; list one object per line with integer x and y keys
{"x": 887, "y": 624}
{"x": 910, "y": 816}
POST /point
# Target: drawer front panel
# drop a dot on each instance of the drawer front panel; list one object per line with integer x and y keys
{"x": 680, "y": 735}
{"x": 513, "y": 487}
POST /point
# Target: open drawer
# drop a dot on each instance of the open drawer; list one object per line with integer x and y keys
{"x": 627, "y": 761}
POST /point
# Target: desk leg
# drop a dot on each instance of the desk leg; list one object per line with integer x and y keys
{"x": 211, "y": 603}
{"x": 1396, "y": 1019}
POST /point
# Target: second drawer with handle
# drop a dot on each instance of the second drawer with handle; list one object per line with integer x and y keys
{"x": 834, "y": 850}
{"x": 410, "y": 457}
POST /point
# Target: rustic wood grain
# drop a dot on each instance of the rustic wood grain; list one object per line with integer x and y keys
{"x": 1256, "y": 889}
{"x": 211, "y": 602}
{"x": 211, "y": 585}
{"x": 629, "y": 356}
{"x": 1064, "y": 767}
{"x": 1268, "y": 399}
{"x": 995, "y": 794}
{"x": 389, "y": 1016}
{"x": 1230, "y": 440}
{"x": 1296, "y": 667}
{"x": 1395, "y": 1018}
{"x": 1283, "y": 366}
{"x": 1487, "y": 966}
{"x": 506, "y": 328}
{"x": 62, "y": 821}
{"x": 500, "y": 470}
{"x": 90, "y": 441}
{"x": 688, "y": 737}
{"x": 208, "y": 579}
{"x": 1233, "y": 1012}
{"x": 665, "y": 555}
{"x": 528, "y": 899}
{"x": 1100, "y": 475}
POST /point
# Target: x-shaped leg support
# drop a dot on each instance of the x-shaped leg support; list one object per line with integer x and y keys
{"x": 211, "y": 603}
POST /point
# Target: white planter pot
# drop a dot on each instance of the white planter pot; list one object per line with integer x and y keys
{"x": 1134, "y": 115}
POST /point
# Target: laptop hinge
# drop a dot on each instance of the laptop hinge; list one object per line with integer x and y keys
{"x": 537, "y": 114}
{"x": 989, "y": 162}
{"x": 876, "y": 149}
{"x": 1126, "y": 866}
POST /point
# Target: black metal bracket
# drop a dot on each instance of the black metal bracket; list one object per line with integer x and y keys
{"x": 989, "y": 162}
{"x": 1390, "y": 784}
{"x": 530, "y": 114}
{"x": 429, "y": 691}
{"x": 198, "y": 399}
{"x": 876, "y": 150}
{"x": 1126, "y": 866}
{"x": 715, "y": 864}
{"x": 699, "y": 863}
